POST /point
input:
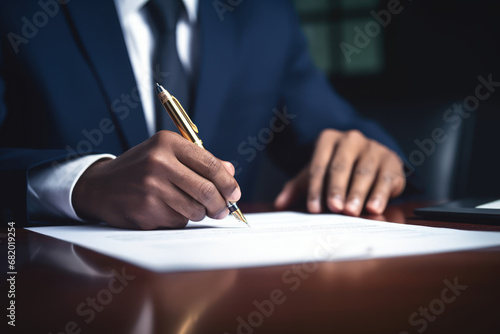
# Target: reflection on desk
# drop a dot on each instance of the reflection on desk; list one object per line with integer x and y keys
{"x": 63, "y": 288}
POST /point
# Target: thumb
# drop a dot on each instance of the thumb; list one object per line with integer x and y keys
{"x": 292, "y": 190}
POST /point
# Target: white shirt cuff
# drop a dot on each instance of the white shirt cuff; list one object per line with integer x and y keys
{"x": 50, "y": 187}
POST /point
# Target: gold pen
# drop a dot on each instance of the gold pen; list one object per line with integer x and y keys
{"x": 189, "y": 131}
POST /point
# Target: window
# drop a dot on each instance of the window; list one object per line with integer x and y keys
{"x": 331, "y": 26}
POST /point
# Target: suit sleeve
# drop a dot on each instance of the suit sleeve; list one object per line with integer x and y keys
{"x": 16, "y": 162}
{"x": 308, "y": 94}
{"x": 316, "y": 105}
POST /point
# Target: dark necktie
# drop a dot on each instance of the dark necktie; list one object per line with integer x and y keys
{"x": 165, "y": 14}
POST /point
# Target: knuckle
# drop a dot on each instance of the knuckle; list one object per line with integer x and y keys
{"x": 207, "y": 191}
{"x": 388, "y": 178}
{"x": 211, "y": 164}
{"x": 364, "y": 171}
{"x": 161, "y": 137}
{"x": 373, "y": 145}
{"x": 338, "y": 166}
{"x": 152, "y": 162}
{"x": 167, "y": 139}
{"x": 316, "y": 170}
{"x": 355, "y": 135}
{"x": 149, "y": 182}
{"x": 184, "y": 146}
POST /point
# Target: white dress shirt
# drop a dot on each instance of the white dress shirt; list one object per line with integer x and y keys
{"x": 50, "y": 188}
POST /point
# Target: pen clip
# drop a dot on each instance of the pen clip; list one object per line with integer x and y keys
{"x": 193, "y": 126}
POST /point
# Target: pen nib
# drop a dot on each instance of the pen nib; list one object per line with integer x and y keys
{"x": 236, "y": 212}
{"x": 239, "y": 215}
{"x": 159, "y": 88}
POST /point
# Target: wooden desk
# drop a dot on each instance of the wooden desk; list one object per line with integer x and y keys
{"x": 57, "y": 284}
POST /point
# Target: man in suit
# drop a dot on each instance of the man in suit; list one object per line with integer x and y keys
{"x": 78, "y": 136}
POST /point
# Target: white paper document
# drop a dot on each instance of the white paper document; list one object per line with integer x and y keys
{"x": 490, "y": 205}
{"x": 273, "y": 239}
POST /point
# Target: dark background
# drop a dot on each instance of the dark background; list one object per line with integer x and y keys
{"x": 428, "y": 57}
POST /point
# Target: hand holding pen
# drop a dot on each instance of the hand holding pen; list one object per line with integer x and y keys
{"x": 189, "y": 131}
{"x": 161, "y": 183}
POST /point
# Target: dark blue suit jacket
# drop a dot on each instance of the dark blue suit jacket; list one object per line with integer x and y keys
{"x": 67, "y": 87}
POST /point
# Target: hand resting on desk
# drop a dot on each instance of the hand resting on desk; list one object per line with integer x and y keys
{"x": 347, "y": 169}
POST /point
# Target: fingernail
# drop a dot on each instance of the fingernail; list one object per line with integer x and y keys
{"x": 375, "y": 204}
{"x": 235, "y": 196}
{"x": 314, "y": 205}
{"x": 222, "y": 214}
{"x": 337, "y": 204}
{"x": 279, "y": 200}
{"x": 353, "y": 205}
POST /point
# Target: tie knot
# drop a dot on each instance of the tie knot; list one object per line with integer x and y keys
{"x": 165, "y": 13}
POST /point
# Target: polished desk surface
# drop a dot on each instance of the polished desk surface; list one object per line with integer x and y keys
{"x": 62, "y": 288}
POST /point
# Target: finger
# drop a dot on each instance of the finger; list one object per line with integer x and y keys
{"x": 229, "y": 167}
{"x": 198, "y": 188}
{"x": 212, "y": 169}
{"x": 317, "y": 170}
{"x": 340, "y": 169}
{"x": 148, "y": 213}
{"x": 364, "y": 174}
{"x": 183, "y": 203}
{"x": 379, "y": 197}
{"x": 172, "y": 219}
{"x": 389, "y": 183}
{"x": 400, "y": 179}
{"x": 292, "y": 190}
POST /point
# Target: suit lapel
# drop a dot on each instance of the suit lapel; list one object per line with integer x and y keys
{"x": 217, "y": 60}
{"x": 98, "y": 29}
